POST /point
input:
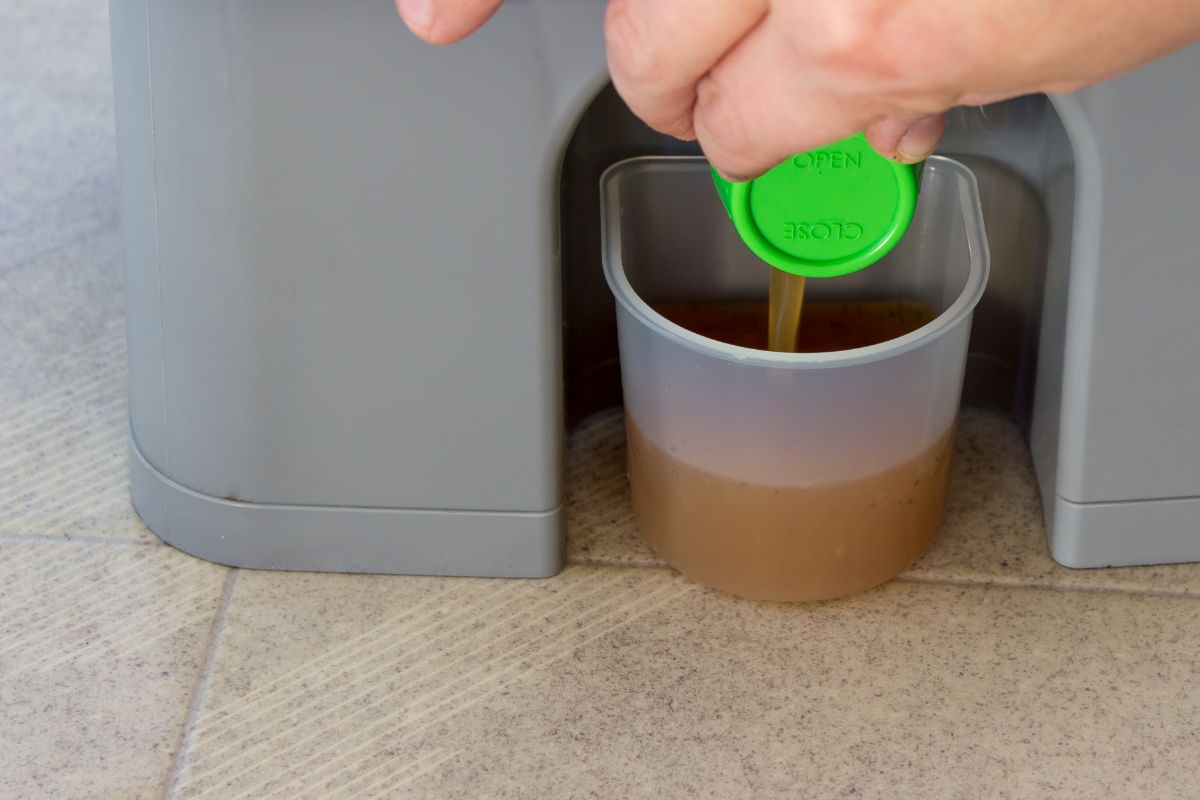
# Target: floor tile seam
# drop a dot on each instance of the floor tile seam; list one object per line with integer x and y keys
{"x": 200, "y": 691}
{"x": 978, "y": 582}
{"x": 1045, "y": 586}
{"x": 606, "y": 563}
{"x": 971, "y": 582}
{"x": 85, "y": 539}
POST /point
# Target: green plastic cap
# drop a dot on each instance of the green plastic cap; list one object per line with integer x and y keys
{"x": 826, "y": 212}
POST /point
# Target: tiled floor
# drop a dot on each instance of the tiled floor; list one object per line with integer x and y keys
{"x": 130, "y": 670}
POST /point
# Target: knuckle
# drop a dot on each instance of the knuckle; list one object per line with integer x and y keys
{"x": 849, "y": 36}
{"x": 632, "y": 49}
{"x": 722, "y": 128}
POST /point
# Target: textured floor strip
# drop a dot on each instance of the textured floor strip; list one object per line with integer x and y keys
{"x": 395, "y": 779}
{"x": 97, "y": 604}
{"x": 64, "y": 456}
{"x": 316, "y": 676}
{"x": 442, "y": 709}
{"x": 73, "y": 579}
{"x": 333, "y": 724}
{"x": 327, "y": 701}
{"x": 99, "y": 650}
{"x": 104, "y": 352}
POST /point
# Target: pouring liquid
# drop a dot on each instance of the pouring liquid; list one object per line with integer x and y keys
{"x": 785, "y": 304}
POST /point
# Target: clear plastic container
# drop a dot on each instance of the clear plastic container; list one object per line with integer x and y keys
{"x": 786, "y": 476}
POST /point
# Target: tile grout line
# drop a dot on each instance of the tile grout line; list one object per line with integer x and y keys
{"x": 1045, "y": 586}
{"x": 102, "y": 541}
{"x": 618, "y": 564}
{"x": 203, "y": 683}
{"x": 975, "y": 583}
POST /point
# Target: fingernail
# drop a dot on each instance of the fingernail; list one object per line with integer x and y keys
{"x": 920, "y": 140}
{"x": 417, "y": 14}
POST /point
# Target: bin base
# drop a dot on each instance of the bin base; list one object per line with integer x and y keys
{"x": 498, "y": 544}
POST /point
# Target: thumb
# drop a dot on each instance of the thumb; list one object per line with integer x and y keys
{"x": 445, "y": 21}
{"x": 907, "y": 140}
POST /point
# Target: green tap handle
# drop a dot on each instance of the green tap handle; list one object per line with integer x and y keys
{"x": 825, "y": 212}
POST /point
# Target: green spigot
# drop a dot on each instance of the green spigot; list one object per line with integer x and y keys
{"x": 825, "y": 212}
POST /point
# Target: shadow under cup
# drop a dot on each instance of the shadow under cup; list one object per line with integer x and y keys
{"x": 786, "y": 476}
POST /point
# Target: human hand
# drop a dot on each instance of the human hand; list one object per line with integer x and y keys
{"x": 757, "y": 80}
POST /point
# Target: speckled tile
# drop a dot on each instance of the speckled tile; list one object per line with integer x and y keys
{"x": 600, "y": 526}
{"x": 993, "y": 531}
{"x": 616, "y": 681}
{"x": 630, "y": 683}
{"x": 62, "y": 367}
{"x": 62, "y": 319}
{"x": 101, "y": 646}
{"x": 64, "y": 453}
{"x": 57, "y": 156}
{"x": 61, "y": 285}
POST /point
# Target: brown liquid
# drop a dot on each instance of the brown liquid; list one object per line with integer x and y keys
{"x": 787, "y": 543}
{"x": 826, "y": 326}
{"x": 791, "y": 543}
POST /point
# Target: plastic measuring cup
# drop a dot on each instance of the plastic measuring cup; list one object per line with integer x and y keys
{"x": 786, "y": 476}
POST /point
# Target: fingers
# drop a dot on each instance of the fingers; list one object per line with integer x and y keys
{"x": 445, "y": 21}
{"x": 659, "y": 49}
{"x": 905, "y": 139}
{"x": 760, "y": 104}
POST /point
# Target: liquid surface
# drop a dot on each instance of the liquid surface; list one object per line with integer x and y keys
{"x": 787, "y": 543}
{"x": 826, "y": 326}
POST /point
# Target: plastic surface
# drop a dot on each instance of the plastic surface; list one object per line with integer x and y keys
{"x": 1114, "y": 434}
{"x": 331, "y": 539}
{"x": 826, "y": 212}
{"x": 782, "y": 418}
{"x": 1090, "y": 535}
{"x": 291, "y": 304}
{"x": 313, "y": 345}
{"x": 771, "y": 475}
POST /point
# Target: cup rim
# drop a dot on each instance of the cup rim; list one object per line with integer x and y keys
{"x": 623, "y": 291}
